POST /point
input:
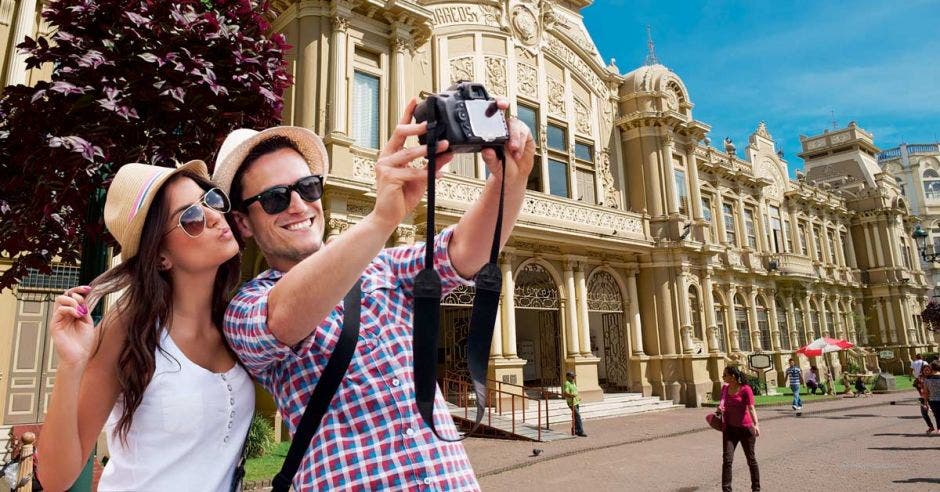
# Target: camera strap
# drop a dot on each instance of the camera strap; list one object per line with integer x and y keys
{"x": 427, "y": 292}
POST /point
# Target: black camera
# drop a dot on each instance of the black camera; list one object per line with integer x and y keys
{"x": 466, "y": 116}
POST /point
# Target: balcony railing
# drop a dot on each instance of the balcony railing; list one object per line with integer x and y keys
{"x": 792, "y": 264}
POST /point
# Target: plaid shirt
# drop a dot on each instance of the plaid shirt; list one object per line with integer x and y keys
{"x": 373, "y": 436}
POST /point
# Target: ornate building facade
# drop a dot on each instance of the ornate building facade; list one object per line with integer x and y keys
{"x": 916, "y": 168}
{"x": 645, "y": 259}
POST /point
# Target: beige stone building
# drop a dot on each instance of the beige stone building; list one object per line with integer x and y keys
{"x": 645, "y": 259}
{"x": 916, "y": 168}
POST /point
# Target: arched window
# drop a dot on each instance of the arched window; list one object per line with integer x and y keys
{"x": 741, "y": 323}
{"x": 931, "y": 181}
{"x": 814, "y": 319}
{"x": 763, "y": 324}
{"x": 783, "y": 326}
{"x": 800, "y": 324}
{"x": 830, "y": 314}
{"x": 696, "y": 313}
{"x": 720, "y": 316}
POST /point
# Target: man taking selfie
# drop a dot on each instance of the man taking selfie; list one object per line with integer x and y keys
{"x": 284, "y": 324}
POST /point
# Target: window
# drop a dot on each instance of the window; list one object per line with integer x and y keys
{"x": 749, "y": 228}
{"x": 707, "y": 215}
{"x": 787, "y": 238}
{"x": 782, "y": 326}
{"x": 907, "y": 253}
{"x": 740, "y": 316}
{"x": 464, "y": 165}
{"x": 775, "y": 238}
{"x": 682, "y": 195}
{"x": 696, "y": 313}
{"x": 530, "y": 117}
{"x": 763, "y": 325}
{"x": 931, "y": 184}
{"x": 829, "y": 321}
{"x": 584, "y": 173}
{"x": 728, "y": 211}
{"x": 556, "y": 138}
{"x": 802, "y": 229}
{"x": 558, "y": 178}
{"x": 365, "y": 110}
{"x": 720, "y": 323}
{"x": 814, "y": 319}
{"x": 935, "y": 233}
{"x": 845, "y": 247}
{"x": 800, "y": 324}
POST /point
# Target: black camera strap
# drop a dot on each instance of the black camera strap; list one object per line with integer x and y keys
{"x": 427, "y": 292}
{"x": 325, "y": 389}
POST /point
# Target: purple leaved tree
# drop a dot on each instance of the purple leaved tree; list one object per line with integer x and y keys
{"x": 138, "y": 81}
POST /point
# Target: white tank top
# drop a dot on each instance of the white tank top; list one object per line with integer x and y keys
{"x": 188, "y": 431}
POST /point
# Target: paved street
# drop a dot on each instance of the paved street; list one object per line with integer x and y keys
{"x": 853, "y": 444}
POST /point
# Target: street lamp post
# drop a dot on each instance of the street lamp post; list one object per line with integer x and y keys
{"x": 920, "y": 236}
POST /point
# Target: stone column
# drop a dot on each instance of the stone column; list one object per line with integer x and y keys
{"x": 24, "y": 25}
{"x": 742, "y": 227}
{"x": 397, "y": 97}
{"x": 636, "y": 330}
{"x": 824, "y": 315}
{"x": 791, "y": 322}
{"x": 807, "y": 322}
{"x": 708, "y": 298}
{"x": 892, "y": 322}
{"x": 670, "y": 176}
{"x": 733, "y": 329}
{"x": 685, "y": 316}
{"x": 496, "y": 347}
{"x": 754, "y": 326}
{"x": 876, "y": 235}
{"x": 720, "y": 218}
{"x": 695, "y": 192}
{"x": 583, "y": 318}
{"x": 774, "y": 325}
{"x": 882, "y": 327}
{"x": 338, "y": 82}
{"x": 850, "y": 248}
{"x": 906, "y": 317}
{"x": 794, "y": 230}
{"x": 571, "y": 312}
{"x": 508, "y": 308}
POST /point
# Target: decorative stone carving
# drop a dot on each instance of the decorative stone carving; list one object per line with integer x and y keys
{"x": 555, "y": 47}
{"x": 496, "y": 80}
{"x": 841, "y": 137}
{"x": 527, "y": 80}
{"x": 337, "y": 226}
{"x": 461, "y": 68}
{"x": 526, "y": 25}
{"x": 359, "y": 208}
{"x": 340, "y": 24}
{"x": 762, "y": 131}
{"x": 583, "y": 117}
{"x": 734, "y": 258}
{"x": 405, "y": 233}
{"x": 556, "y": 98}
{"x": 363, "y": 168}
{"x": 450, "y": 14}
{"x": 611, "y": 195}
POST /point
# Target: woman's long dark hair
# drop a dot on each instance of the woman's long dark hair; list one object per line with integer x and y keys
{"x": 736, "y": 374}
{"x": 146, "y": 304}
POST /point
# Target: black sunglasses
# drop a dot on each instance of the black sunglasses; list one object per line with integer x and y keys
{"x": 192, "y": 220}
{"x": 276, "y": 199}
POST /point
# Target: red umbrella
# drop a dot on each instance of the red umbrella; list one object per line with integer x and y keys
{"x": 824, "y": 345}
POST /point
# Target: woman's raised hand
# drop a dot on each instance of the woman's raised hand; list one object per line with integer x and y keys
{"x": 73, "y": 330}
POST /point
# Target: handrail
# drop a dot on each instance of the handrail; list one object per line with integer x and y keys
{"x": 543, "y": 392}
{"x": 24, "y": 477}
{"x": 461, "y": 390}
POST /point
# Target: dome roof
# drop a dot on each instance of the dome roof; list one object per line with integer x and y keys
{"x": 650, "y": 78}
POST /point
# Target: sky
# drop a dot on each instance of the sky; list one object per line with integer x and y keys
{"x": 792, "y": 64}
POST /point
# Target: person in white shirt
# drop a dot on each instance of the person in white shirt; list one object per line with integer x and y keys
{"x": 917, "y": 365}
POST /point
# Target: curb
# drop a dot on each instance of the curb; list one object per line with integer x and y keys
{"x": 526, "y": 464}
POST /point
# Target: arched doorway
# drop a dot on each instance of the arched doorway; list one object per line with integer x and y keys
{"x": 608, "y": 334}
{"x": 742, "y": 324}
{"x": 538, "y": 334}
{"x": 455, "y": 328}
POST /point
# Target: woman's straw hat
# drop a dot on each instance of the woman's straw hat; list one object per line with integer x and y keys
{"x": 240, "y": 143}
{"x": 129, "y": 198}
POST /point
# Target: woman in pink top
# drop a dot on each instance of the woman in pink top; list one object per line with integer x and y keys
{"x": 740, "y": 425}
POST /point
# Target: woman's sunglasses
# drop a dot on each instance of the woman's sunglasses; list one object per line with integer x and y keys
{"x": 276, "y": 199}
{"x": 192, "y": 219}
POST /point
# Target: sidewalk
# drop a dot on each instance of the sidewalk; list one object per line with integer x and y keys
{"x": 491, "y": 457}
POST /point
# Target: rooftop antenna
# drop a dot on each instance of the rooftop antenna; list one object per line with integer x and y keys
{"x": 835, "y": 126}
{"x": 650, "y": 47}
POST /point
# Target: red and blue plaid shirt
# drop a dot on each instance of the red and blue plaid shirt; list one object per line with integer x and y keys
{"x": 372, "y": 437}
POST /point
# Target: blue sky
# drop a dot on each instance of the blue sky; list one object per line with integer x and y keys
{"x": 789, "y": 63}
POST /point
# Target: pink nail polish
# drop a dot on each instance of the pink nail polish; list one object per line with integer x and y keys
{"x": 82, "y": 310}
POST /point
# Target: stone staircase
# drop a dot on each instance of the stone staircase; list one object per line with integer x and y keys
{"x": 559, "y": 416}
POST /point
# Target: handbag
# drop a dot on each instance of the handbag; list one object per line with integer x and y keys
{"x": 715, "y": 421}
{"x": 324, "y": 391}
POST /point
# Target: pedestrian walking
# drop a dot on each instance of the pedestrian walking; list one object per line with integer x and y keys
{"x": 156, "y": 373}
{"x": 740, "y": 426}
{"x": 570, "y": 392}
{"x": 917, "y": 365}
{"x": 922, "y": 397}
{"x": 932, "y": 392}
{"x": 795, "y": 377}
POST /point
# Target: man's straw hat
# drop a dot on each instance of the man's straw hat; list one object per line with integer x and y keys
{"x": 240, "y": 143}
{"x": 130, "y": 196}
